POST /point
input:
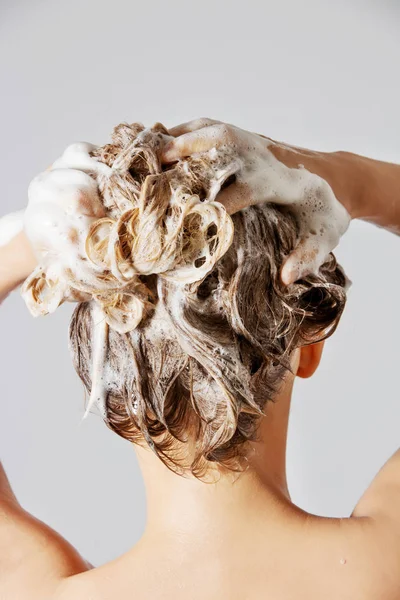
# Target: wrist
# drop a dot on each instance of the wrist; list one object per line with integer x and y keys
{"x": 10, "y": 273}
{"x": 17, "y": 261}
{"x": 340, "y": 170}
{"x": 348, "y": 176}
{"x": 378, "y": 197}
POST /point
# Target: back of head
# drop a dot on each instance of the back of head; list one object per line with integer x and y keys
{"x": 209, "y": 348}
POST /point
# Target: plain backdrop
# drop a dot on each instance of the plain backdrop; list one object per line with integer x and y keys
{"x": 319, "y": 74}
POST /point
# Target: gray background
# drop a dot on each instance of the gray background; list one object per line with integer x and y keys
{"x": 318, "y": 74}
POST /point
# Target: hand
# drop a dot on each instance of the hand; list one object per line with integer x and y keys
{"x": 58, "y": 199}
{"x": 264, "y": 177}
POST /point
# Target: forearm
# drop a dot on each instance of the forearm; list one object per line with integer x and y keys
{"x": 379, "y": 184}
{"x": 16, "y": 262}
{"x": 369, "y": 189}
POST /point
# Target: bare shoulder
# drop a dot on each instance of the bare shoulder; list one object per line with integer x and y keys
{"x": 34, "y": 558}
{"x": 365, "y": 548}
{"x": 354, "y": 557}
{"x": 328, "y": 558}
{"x": 379, "y": 510}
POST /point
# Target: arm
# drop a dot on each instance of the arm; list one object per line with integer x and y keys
{"x": 34, "y": 559}
{"x": 7, "y": 496}
{"x": 323, "y": 189}
{"x": 369, "y": 189}
{"x": 17, "y": 261}
{"x": 381, "y": 500}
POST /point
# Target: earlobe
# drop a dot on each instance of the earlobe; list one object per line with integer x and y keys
{"x": 309, "y": 360}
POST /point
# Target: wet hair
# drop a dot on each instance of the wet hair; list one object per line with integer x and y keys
{"x": 207, "y": 355}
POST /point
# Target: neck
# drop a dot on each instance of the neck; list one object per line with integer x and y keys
{"x": 190, "y": 506}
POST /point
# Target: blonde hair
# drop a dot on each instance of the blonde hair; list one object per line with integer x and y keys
{"x": 156, "y": 222}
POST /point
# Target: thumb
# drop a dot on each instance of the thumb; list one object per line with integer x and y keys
{"x": 306, "y": 258}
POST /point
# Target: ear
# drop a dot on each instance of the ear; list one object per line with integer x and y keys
{"x": 309, "y": 359}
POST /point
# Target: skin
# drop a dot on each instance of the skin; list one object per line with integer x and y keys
{"x": 241, "y": 537}
{"x": 368, "y": 189}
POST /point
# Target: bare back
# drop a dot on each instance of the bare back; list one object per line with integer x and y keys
{"x": 301, "y": 557}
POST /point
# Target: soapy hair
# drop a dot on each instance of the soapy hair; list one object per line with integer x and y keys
{"x": 155, "y": 222}
{"x": 216, "y": 328}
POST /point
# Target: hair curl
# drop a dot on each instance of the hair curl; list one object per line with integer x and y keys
{"x": 212, "y": 352}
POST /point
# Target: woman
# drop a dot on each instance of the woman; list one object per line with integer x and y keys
{"x": 201, "y": 380}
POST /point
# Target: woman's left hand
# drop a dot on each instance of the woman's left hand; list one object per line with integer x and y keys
{"x": 270, "y": 171}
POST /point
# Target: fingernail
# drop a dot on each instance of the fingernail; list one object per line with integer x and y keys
{"x": 286, "y": 275}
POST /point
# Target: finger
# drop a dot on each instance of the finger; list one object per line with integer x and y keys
{"x": 236, "y": 197}
{"x": 191, "y": 126}
{"x": 201, "y": 140}
{"x": 306, "y": 258}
